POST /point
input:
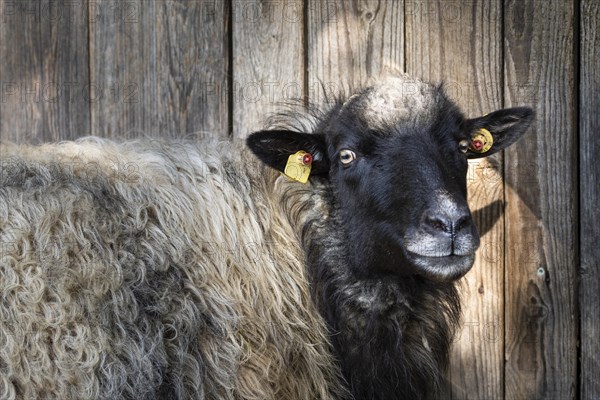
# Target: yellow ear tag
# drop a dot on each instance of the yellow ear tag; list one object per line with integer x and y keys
{"x": 481, "y": 141}
{"x": 298, "y": 166}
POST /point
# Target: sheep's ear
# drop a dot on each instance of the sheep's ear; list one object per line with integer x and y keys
{"x": 504, "y": 127}
{"x": 274, "y": 148}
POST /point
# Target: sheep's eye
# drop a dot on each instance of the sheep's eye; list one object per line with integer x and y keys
{"x": 347, "y": 156}
{"x": 463, "y": 145}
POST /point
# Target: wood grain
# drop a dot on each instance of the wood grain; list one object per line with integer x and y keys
{"x": 159, "y": 67}
{"x": 541, "y": 211}
{"x": 44, "y": 73}
{"x": 589, "y": 186}
{"x": 351, "y": 41}
{"x": 460, "y": 43}
{"x": 123, "y": 68}
{"x": 268, "y": 66}
{"x": 193, "y": 66}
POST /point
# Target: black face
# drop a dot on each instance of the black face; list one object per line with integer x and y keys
{"x": 402, "y": 192}
{"x": 400, "y": 183}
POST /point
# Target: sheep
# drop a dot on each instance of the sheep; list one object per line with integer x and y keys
{"x": 196, "y": 269}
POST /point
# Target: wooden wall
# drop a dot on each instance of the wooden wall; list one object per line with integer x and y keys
{"x": 125, "y": 68}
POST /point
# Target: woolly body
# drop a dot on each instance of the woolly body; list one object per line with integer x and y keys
{"x": 145, "y": 270}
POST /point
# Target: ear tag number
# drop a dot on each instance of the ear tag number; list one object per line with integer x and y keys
{"x": 481, "y": 141}
{"x": 298, "y": 166}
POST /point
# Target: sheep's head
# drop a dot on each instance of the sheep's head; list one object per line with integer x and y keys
{"x": 396, "y": 157}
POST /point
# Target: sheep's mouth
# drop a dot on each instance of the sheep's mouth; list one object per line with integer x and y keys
{"x": 441, "y": 268}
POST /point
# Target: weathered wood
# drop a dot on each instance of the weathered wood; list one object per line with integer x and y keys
{"x": 351, "y": 41}
{"x": 44, "y": 74}
{"x": 123, "y": 68}
{"x": 541, "y": 195}
{"x": 460, "y": 43}
{"x": 268, "y": 60}
{"x": 159, "y": 67}
{"x": 589, "y": 175}
{"x": 193, "y": 65}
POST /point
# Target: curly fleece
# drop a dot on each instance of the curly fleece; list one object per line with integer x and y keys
{"x": 150, "y": 270}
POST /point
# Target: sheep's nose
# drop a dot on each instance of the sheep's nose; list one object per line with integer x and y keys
{"x": 448, "y": 222}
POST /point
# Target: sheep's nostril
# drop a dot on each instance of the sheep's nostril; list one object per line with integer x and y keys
{"x": 437, "y": 224}
{"x": 440, "y": 222}
{"x": 462, "y": 223}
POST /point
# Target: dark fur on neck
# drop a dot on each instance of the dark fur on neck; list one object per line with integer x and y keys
{"x": 391, "y": 334}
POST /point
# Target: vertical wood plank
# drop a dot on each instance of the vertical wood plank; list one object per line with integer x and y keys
{"x": 460, "y": 43}
{"x": 351, "y": 41}
{"x": 44, "y": 74}
{"x": 589, "y": 175}
{"x": 193, "y": 65}
{"x": 123, "y": 68}
{"x": 541, "y": 212}
{"x": 159, "y": 68}
{"x": 268, "y": 60}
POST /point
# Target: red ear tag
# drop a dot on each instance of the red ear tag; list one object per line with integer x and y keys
{"x": 307, "y": 159}
{"x": 298, "y": 166}
{"x": 481, "y": 141}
